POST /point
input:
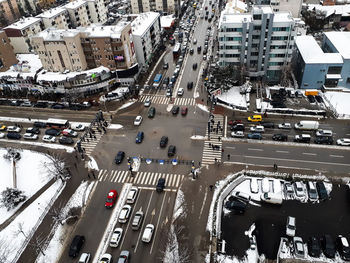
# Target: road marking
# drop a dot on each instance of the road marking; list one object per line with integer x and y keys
{"x": 160, "y": 213}
{"x": 230, "y": 147}
{"x": 141, "y": 232}
{"x": 282, "y": 152}
{"x": 205, "y": 199}
{"x": 337, "y": 156}
{"x": 253, "y": 149}
{"x": 225, "y": 126}
{"x": 313, "y": 154}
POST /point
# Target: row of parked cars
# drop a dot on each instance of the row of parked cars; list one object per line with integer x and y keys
{"x": 46, "y": 104}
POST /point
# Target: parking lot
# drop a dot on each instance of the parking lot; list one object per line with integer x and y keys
{"x": 312, "y": 219}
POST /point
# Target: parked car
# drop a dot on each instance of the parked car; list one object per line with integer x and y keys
{"x": 13, "y": 135}
{"x": 291, "y": 226}
{"x": 111, "y": 198}
{"x": 84, "y": 258}
{"x": 2, "y": 135}
{"x": 138, "y": 120}
{"x": 184, "y": 111}
{"x": 237, "y": 134}
{"x": 106, "y": 258}
{"x": 271, "y": 198}
{"x": 76, "y": 245}
{"x": 49, "y": 138}
{"x": 305, "y": 138}
{"x": 311, "y": 187}
{"x": 69, "y": 133}
{"x": 241, "y": 196}
{"x": 148, "y": 233}
{"x": 151, "y": 112}
{"x": 299, "y": 189}
{"x": 289, "y": 188}
{"x": 166, "y": 65}
{"x": 30, "y": 136}
{"x": 39, "y": 124}
{"x": 163, "y": 141}
{"x": 313, "y": 247}
{"x": 194, "y": 66}
{"x": 234, "y": 122}
{"x": 3, "y": 127}
{"x": 57, "y": 106}
{"x": 180, "y": 92}
{"x": 132, "y": 195}
{"x": 268, "y": 124}
{"x": 65, "y": 140}
{"x": 238, "y": 127}
{"x": 322, "y": 191}
{"x": 139, "y": 137}
{"x": 257, "y": 128}
{"x": 321, "y": 132}
{"x": 116, "y": 237}
{"x": 124, "y": 256}
{"x": 171, "y": 151}
{"x": 124, "y": 214}
{"x": 285, "y": 125}
{"x": 137, "y": 221}
{"x": 343, "y": 142}
{"x": 14, "y": 129}
{"x": 280, "y": 137}
{"x": 324, "y": 140}
{"x": 328, "y": 246}
{"x": 26, "y": 104}
{"x": 299, "y": 250}
{"x": 53, "y": 132}
{"x": 160, "y": 185}
{"x": 119, "y": 157}
{"x": 236, "y": 206}
{"x": 175, "y": 110}
{"x": 147, "y": 103}
{"x": 255, "y": 136}
{"x": 343, "y": 247}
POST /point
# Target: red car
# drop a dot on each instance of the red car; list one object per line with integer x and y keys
{"x": 111, "y": 198}
{"x": 184, "y": 111}
{"x": 234, "y": 122}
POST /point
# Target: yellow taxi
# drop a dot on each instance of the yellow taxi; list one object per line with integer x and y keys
{"x": 2, "y": 127}
{"x": 255, "y": 118}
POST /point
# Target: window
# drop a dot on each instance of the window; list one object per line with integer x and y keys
{"x": 257, "y": 28}
{"x": 257, "y": 17}
{"x": 280, "y": 29}
{"x": 279, "y": 38}
{"x": 334, "y": 70}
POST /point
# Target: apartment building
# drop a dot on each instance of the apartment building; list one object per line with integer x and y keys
{"x": 261, "y": 42}
{"x": 79, "y": 13}
{"x": 20, "y": 32}
{"x": 163, "y": 6}
{"x": 8, "y": 12}
{"x": 146, "y": 33}
{"x": 7, "y": 56}
{"x": 60, "y": 50}
{"x": 98, "y": 11}
{"x": 86, "y": 48}
{"x": 55, "y": 17}
{"x": 294, "y": 7}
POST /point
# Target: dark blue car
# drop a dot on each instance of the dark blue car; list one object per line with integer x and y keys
{"x": 139, "y": 137}
{"x": 255, "y": 136}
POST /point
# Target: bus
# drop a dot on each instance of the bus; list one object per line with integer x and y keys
{"x": 177, "y": 50}
{"x": 57, "y": 123}
{"x": 157, "y": 80}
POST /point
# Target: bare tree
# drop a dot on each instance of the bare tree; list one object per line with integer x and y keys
{"x": 36, "y": 242}
{"x": 56, "y": 166}
{"x": 5, "y": 249}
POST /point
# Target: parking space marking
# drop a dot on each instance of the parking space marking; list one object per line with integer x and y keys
{"x": 230, "y": 147}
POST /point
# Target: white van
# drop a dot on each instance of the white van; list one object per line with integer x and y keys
{"x": 272, "y": 198}
{"x": 148, "y": 233}
{"x": 307, "y": 125}
{"x": 265, "y": 185}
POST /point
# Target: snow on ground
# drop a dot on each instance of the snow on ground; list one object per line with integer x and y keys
{"x": 28, "y": 221}
{"x": 92, "y": 164}
{"x": 232, "y": 96}
{"x": 196, "y": 94}
{"x": 203, "y": 107}
{"x": 55, "y": 246}
{"x": 43, "y": 144}
{"x": 115, "y": 126}
{"x": 340, "y": 102}
{"x": 172, "y": 249}
{"x": 179, "y": 205}
{"x": 198, "y": 137}
{"x": 125, "y": 105}
{"x": 31, "y": 175}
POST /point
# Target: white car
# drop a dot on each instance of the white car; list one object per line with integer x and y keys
{"x": 106, "y": 258}
{"x": 85, "y": 258}
{"x": 147, "y": 103}
{"x": 205, "y": 57}
{"x": 258, "y": 128}
{"x": 2, "y": 135}
{"x": 49, "y": 138}
{"x": 116, "y": 237}
{"x": 69, "y": 133}
{"x": 124, "y": 214}
{"x": 138, "y": 120}
{"x": 180, "y": 92}
{"x": 13, "y": 129}
{"x": 148, "y": 233}
{"x": 285, "y": 125}
{"x": 194, "y": 41}
{"x": 78, "y": 127}
{"x": 299, "y": 189}
{"x": 237, "y": 134}
{"x": 321, "y": 132}
{"x": 290, "y": 228}
{"x": 343, "y": 142}
{"x": 30, "y": 136}
{"x": 241, "y": 196}
{"x": 254, "y": 187}
{"x": 132, "y": 195}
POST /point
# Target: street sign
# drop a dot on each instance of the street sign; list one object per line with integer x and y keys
{"x": 174, "y": 161}
{"x": 148, "y": 161}
{"x": 161, "y": 162}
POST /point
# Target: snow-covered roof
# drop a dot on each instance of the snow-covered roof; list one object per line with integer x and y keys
{"x": 167, "y": 21}
{"x": 341, "y": 41}
{"x": 52, "y": 34}
{"x": 328, "y": 10}
{"x": 75, "y": 4}
{"x": 113, "y": 31}
{"x": 24, "y": 23}
{"x": 234, "y": 18}
{"x": 282, "y": 17}
{"x": 266, "y": 9}
{"x": 58, "y": 77}
{"x": 51, "y": 13}
{"x": 235, "y": 6}
{"x": 313, "y": 54}
{"x": 27, "y": 66}
{"x": 143, "y": 22}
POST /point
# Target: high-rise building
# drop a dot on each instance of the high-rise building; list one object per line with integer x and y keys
{"x": 164, "y": 6}
{"x": 8, "y": 12}
{"x": 7, "y": 56}
{"x": 55, "y": 17}
{"x": 261, "y": 42}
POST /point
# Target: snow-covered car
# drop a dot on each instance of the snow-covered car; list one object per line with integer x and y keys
{"x": 30, "y": 136}
{"x": 13, "y": 129}
{"x": 257, "y": 128}
{"x": 254, "y": 186}
{"x": 290, "y": 228}
{"x": 49, "y": 138}
{"x": 237, "y": 134}
{"x": 321, "y": 132}
{"x": 343, "y": 142}
{"x": 78, "y": 127}
{"x": 124, "y": 214}
{"x": 2, "y": 135}
{"x": 132, "y": 195}
{"x": 241, "y": 196}
{"x": 116, "y": 237}
{"x": 147, "y": 103}
{"x": 299, "y": 189}
{"x": 299, "y": 247}
{"x": 106, "y": 258}
{"x": 138, "y": 120}
{"x": 69, "y": 133}
{"x": 289, "y": 189}
{"x": 285, "y": 125}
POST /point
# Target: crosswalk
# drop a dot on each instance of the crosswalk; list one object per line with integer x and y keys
{"x": 140, "y": 179}
{"x": 213, "y": 146}
{"x": 165, "y": 100}
{"x": 89, "y": 143}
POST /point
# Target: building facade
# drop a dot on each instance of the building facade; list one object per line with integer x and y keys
{"x": 98, "y": 11}
{"x": 78, "y": 13}
{"x": 20, "y": 32}
{"x": 55, "y": 17}
{"x": 163, "y": 6}
{"x": 260, "y": 42}
{"x": 146, "y": 32}
{"x": 294, "y": 7}
{"x": 7, "y": 56}
{"x": 9, "y": 12}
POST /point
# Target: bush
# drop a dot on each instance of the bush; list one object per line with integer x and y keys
{"x": 11, "y": 197}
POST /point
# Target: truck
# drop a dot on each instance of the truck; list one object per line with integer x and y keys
{"x": 157, "y": 80}
{"x": 307, "y": 125}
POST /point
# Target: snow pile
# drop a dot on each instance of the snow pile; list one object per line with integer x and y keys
{"x": 125, "y": 105}
{"x": 114, "y": 126}
{"x": 196, "y": 94}
{"x": 233, "y": 97}
{"x": 78, "y": 199}
{"x": 198, "y": 137}
{"x": 31, "y": 175}
{"x": 203, "y": 107}
{"x": 47, "y": 145}
{"x": 340, "y": 102}
{"x": 25, "y": 224}
{"x": 172, "y": 249}
{"x": 92, "y": 164}
{"x": 179, "y": 205}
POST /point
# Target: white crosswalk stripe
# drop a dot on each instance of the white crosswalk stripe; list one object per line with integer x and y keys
{"x": 141, "y": 178}
{"x": 157, "y": 99}
{"x": 90, "y": 143}
{"x": 213, "y": 147}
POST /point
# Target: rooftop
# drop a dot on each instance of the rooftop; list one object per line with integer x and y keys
{"x": 235, "y": 6}
{"x": 24, "y": 23}
{"x": 312, "y": 53}
{"x": 27, "y": 66}
{"x": 167, "y": 21}
{"x": 328, "y": 10}
{"x": 142, "y": 22}
{"x": 52, "y": 34}
{"x": 282, "y": 17}
{"x": 234, "y": 18}
{"x": 52, "y": 12}
{"x": 75, "y": 4}
{"x": 113, "y": 31}
{"x": 341, "y": 41}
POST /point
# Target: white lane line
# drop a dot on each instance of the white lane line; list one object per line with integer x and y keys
{"x": 160, "y": 214}
{"x": 230, "y": 147}
{"x": 205, "y": 199}
{"x": 254, "y": 149}
{"x": 225, "y": 126}
{"x": 282, "y": 152}
{"x": 337, "y": 156}
{"x": 313, "y": 154}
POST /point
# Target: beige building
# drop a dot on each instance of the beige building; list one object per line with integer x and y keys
{"x": 20, "y": 32}
{"x": 7, "y": 56}
{"x": 165, "y": 6}
{"x": 8, "y": 12}
{"x": 98, "y": 11}
{"x": 78, "y": 13}
{"x": 55, "y": 17}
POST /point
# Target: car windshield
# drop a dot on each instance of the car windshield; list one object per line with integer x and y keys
{"x": 109, "y": 199}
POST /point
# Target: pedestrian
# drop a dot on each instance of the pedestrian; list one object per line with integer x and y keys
{"x": 199, "y": 163}
{"x": 90, "y": 135}
{"x": 92, "y": 131}
{"x": 211, "y": 187}
{"x": 83, "y": 149}
{"x": 216, "y": 160}
{"x": 209, "y": 144}
{"x": 111, "y": 117}
{"x": 87, "y": 140}
{"x": 94, "y": 137}
{"x": 213, "y": 146}
{"x": 104, "y": 129}
{"x": 219, "y": 138}
{"x": 29, "y": 118}
{"x": 228, "y": 157}
{"x": 88, "y": 175}
{"x": 216, "y": 130}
